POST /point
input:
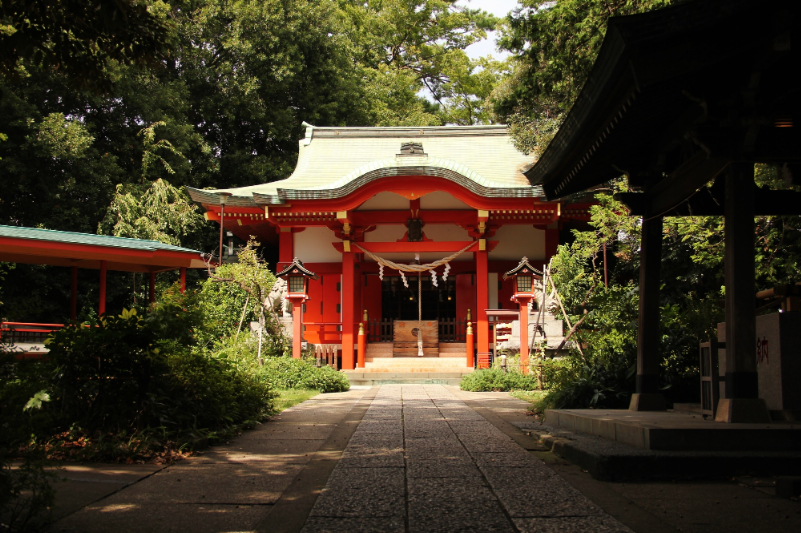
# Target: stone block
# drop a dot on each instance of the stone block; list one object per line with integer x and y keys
{"x": 779, "y": 360}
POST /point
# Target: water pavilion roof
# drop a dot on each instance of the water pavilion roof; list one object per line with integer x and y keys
{"x": 333, "y": 162}
{"x": 85, "y": 250}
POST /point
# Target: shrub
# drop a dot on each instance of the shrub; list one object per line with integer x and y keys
{"x": 495, "y": 379}
{"x": 289, "y": 373}
{"x": 128, "y": 385}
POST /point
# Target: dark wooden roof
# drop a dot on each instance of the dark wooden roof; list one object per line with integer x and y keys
{"x": 297, "y": 267}
{"x": 522, "y": 267}
{"x": 677, "y": 93}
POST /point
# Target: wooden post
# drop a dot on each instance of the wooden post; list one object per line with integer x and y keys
{"x": 647, "y": 396}
{"x": 469, "y": 341}
{"x": 297, "y": 327}
{"x": 183, "y": 280}
{"x": 152, "y": 292}
{"x": 482, "y": 302}
{"x": 362, "y": 344}
{"x": 74, "y": 295}
{"x": 101, "y": 308}
{"x": 348, "y": 304}
{"x": 741, "y": 403}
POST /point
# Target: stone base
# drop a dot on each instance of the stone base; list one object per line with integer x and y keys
{"x": 742, "y": 410}
{"x": 647, "y": 402}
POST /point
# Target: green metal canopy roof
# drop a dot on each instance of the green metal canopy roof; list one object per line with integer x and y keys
{"x": 85, "y": 250}
{"x": 71, "y": 237}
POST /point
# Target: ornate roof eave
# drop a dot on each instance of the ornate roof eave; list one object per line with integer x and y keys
{"x": 297, "y": 264}
{"x": 523, "y": 265}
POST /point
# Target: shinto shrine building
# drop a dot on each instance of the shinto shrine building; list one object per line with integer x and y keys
{"x": 360, "y": 197}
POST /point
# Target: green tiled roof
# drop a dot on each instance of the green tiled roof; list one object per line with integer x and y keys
{"x": 70, "y": 237}
{"x": 332, "y": 160}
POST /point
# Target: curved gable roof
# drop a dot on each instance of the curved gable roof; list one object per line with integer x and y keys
{"x": 335, "y": 161}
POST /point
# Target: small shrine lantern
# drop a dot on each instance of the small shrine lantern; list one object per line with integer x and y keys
{"x": 297, "y": 281}
{"x": 523, "y": 275}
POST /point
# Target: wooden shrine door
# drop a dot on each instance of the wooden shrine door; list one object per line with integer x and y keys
{"x": 405, "y": 334}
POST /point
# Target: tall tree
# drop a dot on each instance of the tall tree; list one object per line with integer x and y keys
{"x": 555, "y": 44}
{"x": 78, "y": 38}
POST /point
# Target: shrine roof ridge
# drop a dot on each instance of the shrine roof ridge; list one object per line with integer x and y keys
{"x": 402, "y": 132}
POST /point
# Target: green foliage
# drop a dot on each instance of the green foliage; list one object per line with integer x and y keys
{"x": 555, "y": 44}
{"x": 79, "y": 38}
{"x": 289, "y": 397}
{"x": 26, "y": 495}
{"x": 129, "y": 386}
{"x": 495, "y": 379}
{"x": 159, "y": 212}
{"x": 253, "y": 277}
{"x": 418, "y": 45}
{"x": 289, "y": 373}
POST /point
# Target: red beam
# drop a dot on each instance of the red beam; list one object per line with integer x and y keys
{"x": 416, "y": 247}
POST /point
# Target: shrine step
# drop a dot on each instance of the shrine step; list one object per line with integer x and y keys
{"x": 360, "y": 377}
{"x": 415, "y": 364}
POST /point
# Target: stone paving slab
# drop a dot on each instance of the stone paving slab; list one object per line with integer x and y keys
{"x": 455, "y": 472}
{"x": 231, "y": 484}
{"x": 83, "y": 484}
{"x": 202, "y": 518}
{"x": 362, "y": 493}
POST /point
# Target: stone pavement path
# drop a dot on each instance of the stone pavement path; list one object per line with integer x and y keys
{"x": 422, "y": 460}
{"x": 265, "y": 480}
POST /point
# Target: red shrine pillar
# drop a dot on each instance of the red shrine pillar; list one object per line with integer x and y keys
{"x": 482, "y": 303}
{"x": 152, "y": 287}
{"x": 101, "y": 308}
{"x": 183, "y": 280}
{"x": 74, "y": 295}
{"x": 348, "y": 307}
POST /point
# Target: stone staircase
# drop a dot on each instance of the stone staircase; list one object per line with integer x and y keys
{"x": 446, "y": 368}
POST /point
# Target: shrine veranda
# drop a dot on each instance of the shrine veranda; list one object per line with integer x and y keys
{"x": 360, "y": 196}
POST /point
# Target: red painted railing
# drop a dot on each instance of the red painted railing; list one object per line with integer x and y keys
{"x": 323, "y": 332}
{"x": 29, "y": 332}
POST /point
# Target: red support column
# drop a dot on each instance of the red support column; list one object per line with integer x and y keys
{"x": 297, "y": 327}
{"x": 482, "y": 302}
{"x": 152, "y": 287}
{"x": 101, "y": 308}
{"x": 551, "y": 242}
{"x": 74, "y": 295}
{"x": 348, "y": 306}
{"x": 286, "y": 246}
{"x": 183, "y": 280}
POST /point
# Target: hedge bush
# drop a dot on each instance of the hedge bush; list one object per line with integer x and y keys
{"x": 289, "y": 373}
{"x": 495, "y": 379}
